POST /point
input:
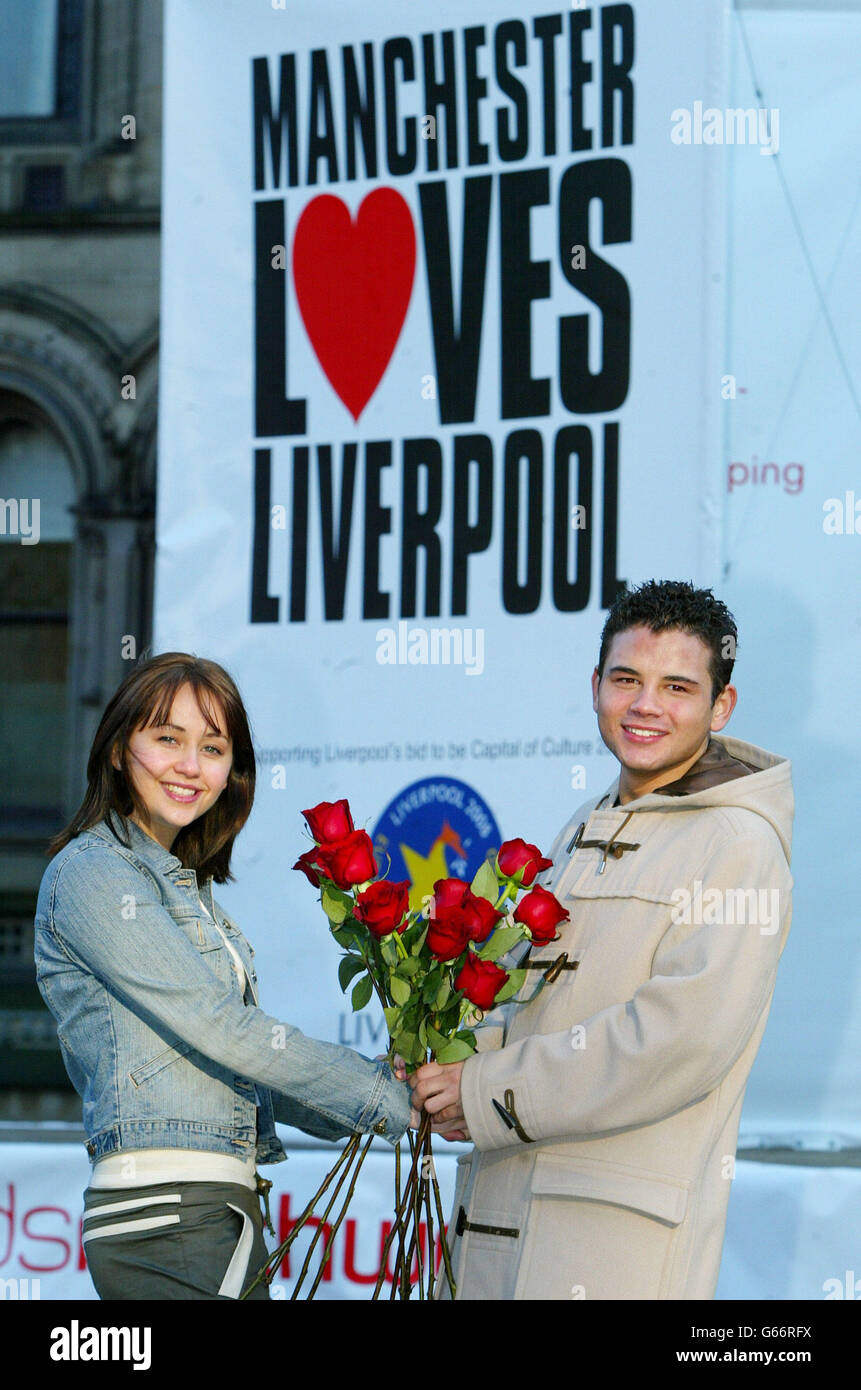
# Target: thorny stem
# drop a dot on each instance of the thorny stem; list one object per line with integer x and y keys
{"x": 443, "y": 1235}
{"x": 398, "y": 1227}
{"x": 428, "y": 1209}
{"x": 317, "y": 1233}
{"x": 342, "y": 1213}
{"x": 274, "y": 1260}
{"x": 412, "y": 1180}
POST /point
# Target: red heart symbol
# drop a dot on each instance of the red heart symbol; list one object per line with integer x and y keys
{"x": 353, "y": 282}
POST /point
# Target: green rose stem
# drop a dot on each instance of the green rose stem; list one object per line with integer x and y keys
{"x": 446, "y": 1256}
{"x": 420, "y": 1191}
{"x": 413, "y": 1182}
{"x": 273, "y": 1261}
{"x": 415, "y": 1239}
{"x": 323, "y": 1219}
{"x": 400, "y": 1212}
{"x": 429, "y": 1211}
{"x": 334, "y": 1231}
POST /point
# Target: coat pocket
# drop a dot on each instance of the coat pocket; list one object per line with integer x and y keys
{"x": 159, "y": 1062}
{"x": 655, "y": 1194}
{"x": 599, "y": 1230}
{"x": 200, "y": 933}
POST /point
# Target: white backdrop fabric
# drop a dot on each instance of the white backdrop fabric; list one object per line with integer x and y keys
{"x": 789, "y": 1234}
{"x": 287, "y": 555}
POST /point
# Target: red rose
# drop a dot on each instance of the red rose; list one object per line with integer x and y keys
{"x": 383, "y": 907}
{"x": 349, "y": 861}
{"x": 480, "y": 981}
{"x": 306, "y": 864}
{"x": 541, "y": 913}
{"x": 448, "y": 892}
{"x": 330, "y": 820}
{"x": 517, "y": 854}
{"x": 448, "y": 933}
{"x": 481, "y": 915}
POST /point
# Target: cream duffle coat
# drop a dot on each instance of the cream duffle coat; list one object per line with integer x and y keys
{"x": 605, "y": 1112}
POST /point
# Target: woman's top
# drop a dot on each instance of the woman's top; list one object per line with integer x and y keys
{"x": 157, "y": 1036}
{"x": 144, "y": 1167}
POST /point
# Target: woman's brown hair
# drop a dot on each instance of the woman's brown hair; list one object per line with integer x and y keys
{"x": 144, "y": 698}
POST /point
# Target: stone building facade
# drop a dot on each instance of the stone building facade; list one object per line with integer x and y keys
{"x": 80, "y": 152}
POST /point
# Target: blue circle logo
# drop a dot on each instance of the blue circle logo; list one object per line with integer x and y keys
{"x": 436, "y": 828}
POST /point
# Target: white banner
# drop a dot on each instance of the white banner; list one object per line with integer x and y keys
{"x": 41, "y": 1206}
{"x": 429, "y": 359}
{"x": 793, "y": 543}
{"x": 789, "y": 1233}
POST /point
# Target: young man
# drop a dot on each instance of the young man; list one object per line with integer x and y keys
{"x": 605, "y": 1112}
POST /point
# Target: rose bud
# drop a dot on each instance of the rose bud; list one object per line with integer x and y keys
{"x": 448, "y": 892}
{"x": 349, "y": 861}
{"x": 384, "y": 907}
{"x": 481, "y": 915}
{"x": 541, "y": 913}
{"x": 480, "y": 981}
{"x": 448, "y": 934}
{"x": 517, "y": 854}
{"x": 307, "y": 866}
{"x": 329, "y": 820}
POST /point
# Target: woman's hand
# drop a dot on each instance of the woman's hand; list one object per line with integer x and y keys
{"x": 400, "y": 1074}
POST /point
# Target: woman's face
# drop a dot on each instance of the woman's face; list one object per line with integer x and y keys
{"x": 179, "y": 769}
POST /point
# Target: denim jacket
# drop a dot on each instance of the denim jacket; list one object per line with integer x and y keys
{"x": 155, "y": 1034}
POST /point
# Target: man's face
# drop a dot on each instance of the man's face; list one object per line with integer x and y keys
{"x": 654, "y": 706}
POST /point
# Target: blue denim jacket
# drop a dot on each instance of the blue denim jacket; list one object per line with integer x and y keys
{"x": 155, "y": 1034}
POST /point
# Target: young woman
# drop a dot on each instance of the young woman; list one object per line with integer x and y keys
{"x": 153, "y": 987}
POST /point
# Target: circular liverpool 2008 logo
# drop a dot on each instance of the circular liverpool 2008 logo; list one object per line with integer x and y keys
{"x": 436, "y": 828}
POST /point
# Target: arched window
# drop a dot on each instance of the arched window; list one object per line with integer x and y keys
{"x": 37, "y": 530}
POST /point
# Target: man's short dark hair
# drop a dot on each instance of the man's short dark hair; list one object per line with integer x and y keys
{"x": 667, "y": 604}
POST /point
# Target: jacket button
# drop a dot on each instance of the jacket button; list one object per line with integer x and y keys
{"x": 91, "y": 1149}
{"x": 380, "y": 1127}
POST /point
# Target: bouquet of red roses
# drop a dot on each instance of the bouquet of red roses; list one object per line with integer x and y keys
{"x": 435, "y": 971}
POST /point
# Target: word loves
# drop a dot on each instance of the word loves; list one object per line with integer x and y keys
{"x": 491, "y": 151}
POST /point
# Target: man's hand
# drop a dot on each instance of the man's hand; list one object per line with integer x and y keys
{"x": 436, "y": 1090}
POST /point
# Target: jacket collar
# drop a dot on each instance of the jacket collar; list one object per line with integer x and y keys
{"x": 713, "y": 767}
{"x": 117, "y": 828}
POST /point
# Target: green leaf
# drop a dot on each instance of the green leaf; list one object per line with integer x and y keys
{"x": 502, "y": 941}
{"x": 511, "y": 986}
{"x": 392, "y": 1016}
{"x": 409, "y": 1047}
{"x": 442, "y": 995}
{"x": 485, "y": 884}
{"x": 388, "y": 950}
{"x": 416, "y": 945}
{"x": 409, "y": 966}
{"x": 423, "y": 1032}
{"x": 456, "y": 1051}
{"x": 362, "y": 992}
{"x": 400, "y": 990}
{"x": 334, "y": 906}
{"x": 431, "y": 982}
{"x": 348, "y": 969}
{"x": 345, "y": 936}
{"x": 436, "y": 1041}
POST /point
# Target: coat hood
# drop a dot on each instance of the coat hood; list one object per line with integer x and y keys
{"x": 762, "y": 783}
